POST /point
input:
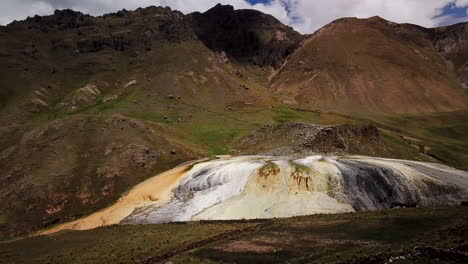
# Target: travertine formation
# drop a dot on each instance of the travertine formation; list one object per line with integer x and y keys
{"x": 250, "y": 187}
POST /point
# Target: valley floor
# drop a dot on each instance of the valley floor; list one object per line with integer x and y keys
{"x": 415, "y": 235}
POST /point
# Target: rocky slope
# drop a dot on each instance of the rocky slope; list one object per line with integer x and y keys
{"x": 365, "y": 66}
{"x": 69, "y": 168}
{"x": 90, "y": 106}
{"x": 299, "y": 138}
{"x": 246, "y": 34}
{"x": 452, "y": 43}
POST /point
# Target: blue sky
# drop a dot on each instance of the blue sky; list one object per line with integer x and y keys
{"x": 309, "y": 15}
{"x": 459, "y": 13}
{"x": 258, "y": 1}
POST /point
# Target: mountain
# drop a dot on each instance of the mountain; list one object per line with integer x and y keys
{"x": 91, "y": 106}
{"x": 364, "y": 66}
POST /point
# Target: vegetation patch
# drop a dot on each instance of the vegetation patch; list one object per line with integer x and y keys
{"x": 269, "y": 169}
{"x": 284, "y": 115}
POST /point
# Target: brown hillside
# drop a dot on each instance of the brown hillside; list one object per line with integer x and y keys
{"x": 368, "y": 66}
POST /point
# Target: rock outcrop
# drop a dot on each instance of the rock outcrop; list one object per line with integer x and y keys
{"x": 247, "y": 34}
{"x": 299, "y": 138}
{"x": 82, "y": 97}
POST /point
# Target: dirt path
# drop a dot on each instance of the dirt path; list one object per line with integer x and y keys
{"x": 203, "y": 242}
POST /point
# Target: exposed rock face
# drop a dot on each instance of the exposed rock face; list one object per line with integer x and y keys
{"x": 154, "y": 23}
{"x": 130, "y": 83}
{"x": 39, "y": 105}
{"x": 246, "y": 34}
{"x": 60, "y": 20}
{"x": 294, "y": 138}
{"x": 452, "y": 43}
{"x": 138, "y": 155}
{"x": 82, "y": 97}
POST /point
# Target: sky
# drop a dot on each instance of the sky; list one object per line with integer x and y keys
{"x": 306, "y": 16}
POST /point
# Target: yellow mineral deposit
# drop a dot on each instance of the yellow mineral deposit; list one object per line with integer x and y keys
{"x": 156, "y": 190}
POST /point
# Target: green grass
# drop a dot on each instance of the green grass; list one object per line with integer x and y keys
{"x": 284, "y": 115}
{"x": 457, "y": 131}
{"x": 450, "y": 154}
{"x": 300, "y": 169}
{"x": 444, "y": 135}
{"x": 148, "y": 116}
{"x": 3, "y": 219}
{"x": 100, "y": 107}
{"x": 114, "y": 244}
{"x": 217, "y": 139}
{"x": 268, "y": 169}
{"x": 305, "y": 239}
{"x": 331, "y": 238}
{"x": 400, "y": 148}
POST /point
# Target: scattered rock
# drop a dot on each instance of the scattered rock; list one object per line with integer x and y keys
{"x": 139, "y": 155}
{"x": 30, "y": 50}
{"x": 39, "y": 105}
{"x": 311, "y": 139}
{"x": 223, "y": 57}
{"x": 108, "y": 171}
{"x": 106, "y": 190}
{"x": 121, "y": 122}
{"x": 130, "y": 83}
{"x": 240, "y": 74}
{"x": 110, "y": 98}
{"x": 82, "y": 97}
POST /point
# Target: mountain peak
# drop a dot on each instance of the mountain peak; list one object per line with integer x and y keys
{"x": 245, "y": 33}
{"x": 221, "y": 8}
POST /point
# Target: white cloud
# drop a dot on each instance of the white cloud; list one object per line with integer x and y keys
{"x": 428, "y": 13}
{"x": 461, "y": 3}
{"x": 305, "y": 16}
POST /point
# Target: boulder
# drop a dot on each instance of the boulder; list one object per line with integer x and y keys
{"x": 83, "y": 96}
{"x": 130, "y": 83}
{"x": 39, "y": 105}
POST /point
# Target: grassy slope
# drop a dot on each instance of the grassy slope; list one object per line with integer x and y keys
{"x": 331, "y": 238}
{"x": 311, "y": 239}
{"x": 443, "y": 135}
